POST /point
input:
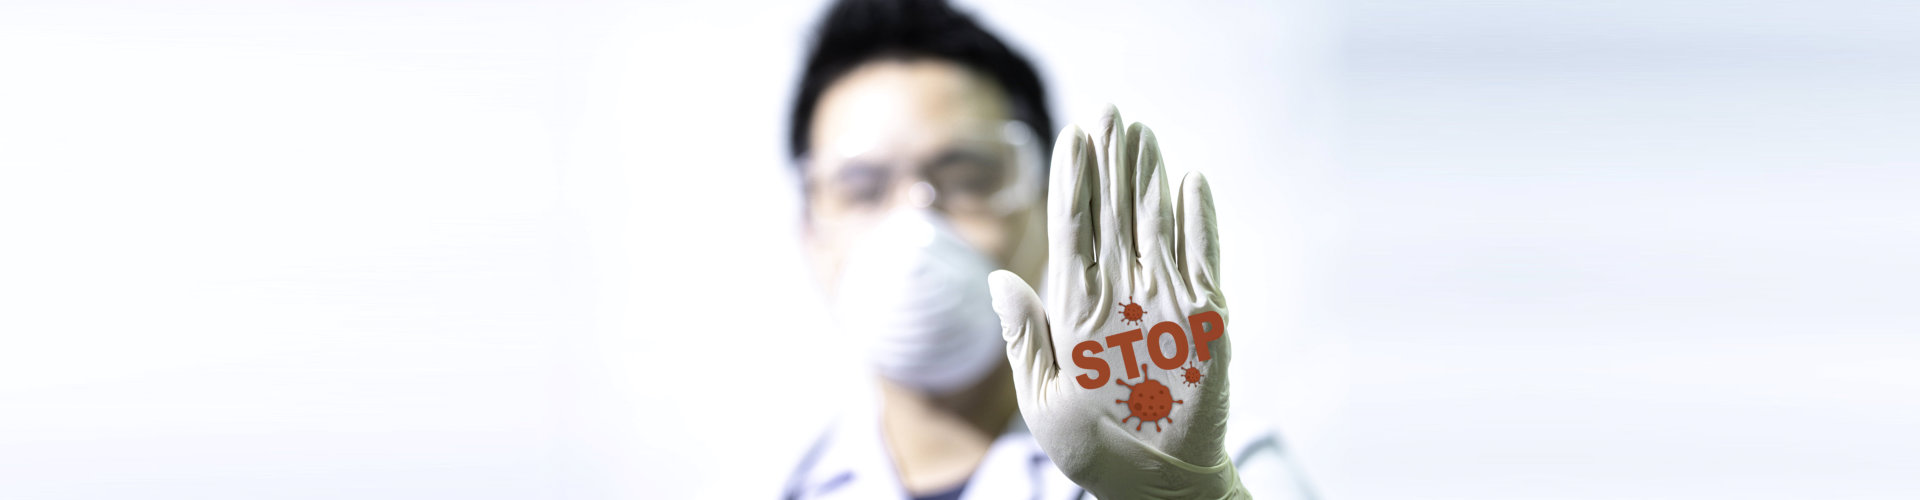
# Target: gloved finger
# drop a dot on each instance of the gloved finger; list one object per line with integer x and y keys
{"x": 1023, "y": 323}
{"x": 1071, "y": 211}
{"x": 1199, "y": 248}
{"x": 1116, "y": 241}
{"x": 1153, "y": 214}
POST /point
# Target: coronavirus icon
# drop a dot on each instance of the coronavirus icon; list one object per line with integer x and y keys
{"x": 1132, "y": 311}
{"x": 1149, "y": 401}
{"x": 1191, "y": 374}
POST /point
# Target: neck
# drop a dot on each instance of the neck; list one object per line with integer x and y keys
{"x": 938, "y": 440}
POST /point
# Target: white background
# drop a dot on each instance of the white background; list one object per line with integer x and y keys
{"x": 547, "y": 250}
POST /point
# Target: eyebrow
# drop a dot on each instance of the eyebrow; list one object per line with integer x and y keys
{"x": 858, "y": 170}
{"x": 960, "y": 155}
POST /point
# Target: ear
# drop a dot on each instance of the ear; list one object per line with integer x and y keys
{"x": 797, "y": 177}
{"x": 820, "y": 255}
{"x": 813, "y": 245}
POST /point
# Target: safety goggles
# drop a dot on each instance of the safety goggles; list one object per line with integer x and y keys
{"x": 994, "y": 170}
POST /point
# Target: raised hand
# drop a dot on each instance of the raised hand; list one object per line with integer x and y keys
{"x": 1122, "y": 371}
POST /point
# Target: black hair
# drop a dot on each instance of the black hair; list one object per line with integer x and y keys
{"x": 854, "y": 32}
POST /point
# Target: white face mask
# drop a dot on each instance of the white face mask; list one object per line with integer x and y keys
{"x": 917, "y": 295}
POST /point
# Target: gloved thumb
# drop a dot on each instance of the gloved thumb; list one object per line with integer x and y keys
{"x": 1023, "y": 322}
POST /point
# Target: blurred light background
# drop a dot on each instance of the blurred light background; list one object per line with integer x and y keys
{"x": 521, "y": 249}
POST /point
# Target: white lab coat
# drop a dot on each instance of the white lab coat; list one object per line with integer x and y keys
{"x": 850, "y": 461}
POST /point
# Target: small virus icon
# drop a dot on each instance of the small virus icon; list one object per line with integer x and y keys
{"x": 1192, "y": 375}
{"x": 1132, "y": 311}
{"x": 1149, "y": 402}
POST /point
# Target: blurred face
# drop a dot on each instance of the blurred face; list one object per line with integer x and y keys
{"x": 905, "y": 134}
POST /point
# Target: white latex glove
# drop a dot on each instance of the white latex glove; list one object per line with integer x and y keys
{"x": 1114, "y": 240}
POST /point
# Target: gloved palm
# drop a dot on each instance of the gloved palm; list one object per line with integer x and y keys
{"x": 1122, "y": 373}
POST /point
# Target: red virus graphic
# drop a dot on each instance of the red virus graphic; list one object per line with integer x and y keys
{"x": 1132, "y": 311}
{"x": 1192, "y": 375}
{"x": 1149, "y": 402}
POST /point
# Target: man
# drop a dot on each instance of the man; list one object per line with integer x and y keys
{"x": 921, "y": 141}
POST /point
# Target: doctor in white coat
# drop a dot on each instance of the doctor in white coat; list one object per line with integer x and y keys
{"x": 918, "y": 138}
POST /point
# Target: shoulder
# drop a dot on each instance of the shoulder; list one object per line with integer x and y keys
{"x": 805, "y": 478}
{"x": 842, "y": 461}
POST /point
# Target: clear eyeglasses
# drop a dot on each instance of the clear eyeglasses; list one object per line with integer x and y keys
{"x": 993, "y": 172}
